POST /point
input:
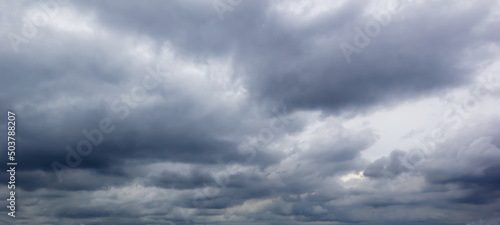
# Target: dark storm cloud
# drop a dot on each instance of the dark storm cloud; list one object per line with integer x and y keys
{"x": 169, "y": 179}
{"x": 426, "y": 53}
{"x": 387, "y": 166}
{"x": 159, "y": 165}
{"x": 75, "y": 96}
{"x": 405, "y": 60}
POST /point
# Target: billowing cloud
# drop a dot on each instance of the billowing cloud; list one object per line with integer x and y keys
{"x": 252, "y": 112}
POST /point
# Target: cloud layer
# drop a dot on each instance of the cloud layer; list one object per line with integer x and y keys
{"x": 252, "y": 112}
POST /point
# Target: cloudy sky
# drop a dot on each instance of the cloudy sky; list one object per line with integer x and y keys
{"x": 252, "y": 112}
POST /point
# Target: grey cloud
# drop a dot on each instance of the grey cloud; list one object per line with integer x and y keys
{"x": 67, "y": 79}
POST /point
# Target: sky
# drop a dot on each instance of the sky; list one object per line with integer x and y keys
{"x": 252, "y": 112}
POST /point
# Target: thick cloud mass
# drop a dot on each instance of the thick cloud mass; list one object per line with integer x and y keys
{"x": 252, "y": 112}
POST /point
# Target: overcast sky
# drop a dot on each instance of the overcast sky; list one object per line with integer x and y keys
{"x": 252, "y": 112}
